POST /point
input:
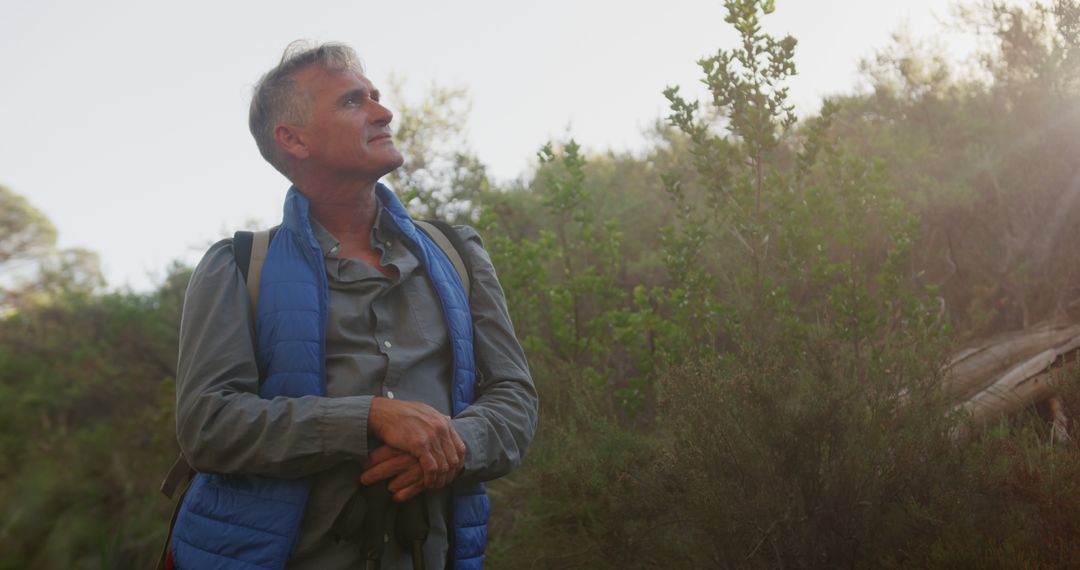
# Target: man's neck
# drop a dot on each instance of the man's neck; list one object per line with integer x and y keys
{"x": 347, "y": 212}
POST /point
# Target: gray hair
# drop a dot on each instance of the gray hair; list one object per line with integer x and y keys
{"x": 276, "y": 99}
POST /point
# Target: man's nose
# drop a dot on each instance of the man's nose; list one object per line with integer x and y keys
{"x": 381, "y": 115}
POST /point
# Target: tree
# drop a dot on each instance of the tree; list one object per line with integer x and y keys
{"x": 988, "y": 161}
{"x": 25, "y": 232}
{"x": 441, "y": 177}
{"x": 86, "y": 427}
{"x": 34, "y": 270}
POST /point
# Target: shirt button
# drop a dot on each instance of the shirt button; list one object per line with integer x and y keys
{"x": 390, "y": 394}
{"x": 389, "y": 244}
{"x": 387, "y": 344}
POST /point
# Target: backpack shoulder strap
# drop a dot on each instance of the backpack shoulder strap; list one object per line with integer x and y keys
{"x": 452, "y": 245}
{"x": 250, "y": 249}
{"x": 241, "y": 247}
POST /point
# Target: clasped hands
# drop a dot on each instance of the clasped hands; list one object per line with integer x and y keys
{"x": 421, "y": 448}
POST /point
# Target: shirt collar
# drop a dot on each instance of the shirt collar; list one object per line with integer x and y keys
{"x": 327, "y": 242}
{"x": 381, "y": 235}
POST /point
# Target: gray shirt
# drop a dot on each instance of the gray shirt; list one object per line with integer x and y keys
{"x": 385, "y": 337}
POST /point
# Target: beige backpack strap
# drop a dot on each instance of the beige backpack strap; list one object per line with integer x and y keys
{"x": 260, "y": 244}
{"x": 443, "y": 241}
{"x": 179, "y": 474}
{"x": 179, "y": 477}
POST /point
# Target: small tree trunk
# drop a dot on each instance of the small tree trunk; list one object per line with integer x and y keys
{"x": 1059, "y": 427}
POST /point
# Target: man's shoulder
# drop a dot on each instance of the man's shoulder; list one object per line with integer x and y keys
{"x": 215, "y": 283}
{"x": 219, "y": 252}
{"x": 467, "y": 233}
{"x": 473, "y": 244}
{"x": 470, "y": 237}
{"x": 218, "y": 262}
{"x": 481, "y": 268}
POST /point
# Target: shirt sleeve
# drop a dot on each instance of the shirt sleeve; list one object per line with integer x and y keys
{"x": 499, "y": 425}
{"x": 222, "y": 424}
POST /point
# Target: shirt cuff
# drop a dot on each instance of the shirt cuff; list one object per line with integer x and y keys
{"x": 474, "y": 434}
{"x": 343, "y": 426}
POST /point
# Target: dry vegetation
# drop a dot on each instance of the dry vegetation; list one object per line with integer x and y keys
{"x": 741, "y": 338}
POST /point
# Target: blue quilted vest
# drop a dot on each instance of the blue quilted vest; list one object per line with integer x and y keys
{"x": 250, "y": 522}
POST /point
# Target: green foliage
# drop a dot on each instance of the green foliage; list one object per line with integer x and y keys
{"x": 26, "y": 232}
{"x": 747, "y": 87}
{"x": 586, "y": 473}
{"x": 34, "y": 270}
{"x": 824, "y": 241}
{"x": 801, "y": 466}
{"x": 441, "y": 178}
{"x": 799, "y": 423}
{"x": 985, "y": 162}
{"x": 562, "y": 285}
{"x": 86, "y": 398}
{"x": 798, "y": 443}
{"x": 737, "y": 336}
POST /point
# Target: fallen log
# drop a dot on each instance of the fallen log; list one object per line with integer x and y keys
{"x": 983, "y": 364}
{"x": 1032, "y": 380}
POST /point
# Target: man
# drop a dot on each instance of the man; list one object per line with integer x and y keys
{"x": 357, "y": 364}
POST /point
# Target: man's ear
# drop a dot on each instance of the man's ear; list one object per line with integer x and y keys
{"x": 292, "y": 141}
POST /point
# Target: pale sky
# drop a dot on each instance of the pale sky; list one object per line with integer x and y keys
{"x": 126, "y": 121}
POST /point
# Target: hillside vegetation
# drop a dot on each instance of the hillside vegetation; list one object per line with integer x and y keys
{"x": 738, "y": 336}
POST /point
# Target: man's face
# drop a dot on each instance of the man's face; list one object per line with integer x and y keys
{"x": 348, "y": 132}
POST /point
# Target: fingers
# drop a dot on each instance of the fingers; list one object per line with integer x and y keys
{"x": 446, "y": 456}
{"x": 450, "y": 451}
{"x": 406, "y": 473}
{"x": 440, "y": 456}
{"x": 410, "y": 477}
{"x": 420, "y": 431}
{"x": 381, "y": 453}
{"x": 459, "y": 444}
{"x": 407, "y": 485}
{"x": 454, "y": 450}
{"x": 409, "y": 426}
{"x": 408, "y": 492}
{"x": 389, "y": 468}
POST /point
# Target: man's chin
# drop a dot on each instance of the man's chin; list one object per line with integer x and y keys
{"x": 377, "y": 168}
{"x": 395, "y": 163}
